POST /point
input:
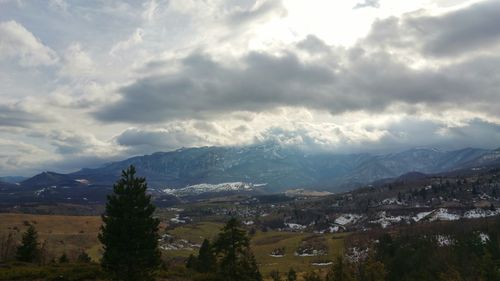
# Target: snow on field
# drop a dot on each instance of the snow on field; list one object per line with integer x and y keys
{"x": 83, "y": 181}
{"x": 444, "y": 240}
{"x": 322, "y": 263}
{"x": 356, "y": 254}
{"x": 480, "y": 213}
{"x": 421, "y": 216}
{"x": 334, "y": 229}
{"x": 484, "y": 237}
{"x": 384, "y": 220}
{"x": 276, "y": 256}
{"x": 391, "y": 201}
{"x": 313, "y": 253}
{"x": 177, "y": 219}
{"x": 330, "y": 229}
{"x": 295, "y": 226}
{"x": 346, "y": 219}
{"x": 440, "y": 214}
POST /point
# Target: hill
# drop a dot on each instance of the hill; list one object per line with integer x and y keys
{"x": 267, "y": 167}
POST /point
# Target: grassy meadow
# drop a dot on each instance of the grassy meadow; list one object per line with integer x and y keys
{"x": 71, "y": 234}
{"x": 262, "y": 244}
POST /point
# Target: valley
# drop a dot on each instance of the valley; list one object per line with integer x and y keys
{"x": 301, "y": 229}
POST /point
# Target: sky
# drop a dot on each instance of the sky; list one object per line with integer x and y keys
{"x": 89, "y": 82}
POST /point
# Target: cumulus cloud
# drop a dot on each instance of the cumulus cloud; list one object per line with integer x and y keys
{"x": 204, "y": 87}
{"x": 461, "y": 32}
{"x": 18, "y": 156}
{"x": 381, "y": 133}
{"x": 18, "y": 42}
{"x": 77, "y": 62}
{"x": 367, "y": 81}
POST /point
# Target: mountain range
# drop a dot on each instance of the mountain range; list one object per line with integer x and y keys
{"x": 271, "y": 166}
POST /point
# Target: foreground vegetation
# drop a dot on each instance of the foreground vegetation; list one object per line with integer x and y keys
{"x": 440, "y": 251}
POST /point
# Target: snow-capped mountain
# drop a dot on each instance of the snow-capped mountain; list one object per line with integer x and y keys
{"x": 204, "y": 169}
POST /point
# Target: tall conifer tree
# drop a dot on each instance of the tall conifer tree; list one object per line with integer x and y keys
{"x": 206, "y": 258}
{"x": 235, "y": 260}
{"x": 130, "y": 232}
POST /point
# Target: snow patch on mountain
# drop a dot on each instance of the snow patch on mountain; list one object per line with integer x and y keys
{"x": 205, "y": 187}
{"x": 346, "y": 219}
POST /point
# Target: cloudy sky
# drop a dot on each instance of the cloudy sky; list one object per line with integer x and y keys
{"x": 87, "y": 82}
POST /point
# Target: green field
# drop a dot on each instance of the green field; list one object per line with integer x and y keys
{"x": 262, "y": 244}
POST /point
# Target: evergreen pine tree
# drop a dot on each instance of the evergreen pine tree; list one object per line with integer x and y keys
{"x": 232, "y": 248}
{"x": 206, "y": 258}
{"x": 292, "y": 275}
{"x": 249, "y": 269}
{"x": 28, "y": 251}
{"x": 130, "y": 233}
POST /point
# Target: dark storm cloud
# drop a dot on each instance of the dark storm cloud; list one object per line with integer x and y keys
{"x": 19, "y": 116}
{"x": 203, "y": 87}
{"x": 366, "y": 77}
{"x": 456, "y": 33}
{"x": 466, "y": 30}
{"x": 372, "y": 82}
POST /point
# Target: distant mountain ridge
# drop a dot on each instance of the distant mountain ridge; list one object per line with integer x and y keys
{"x": 278, "y": 167}
{"x": 12, "y": 179}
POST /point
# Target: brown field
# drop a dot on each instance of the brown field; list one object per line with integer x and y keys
{"x": 71, "y": 234}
